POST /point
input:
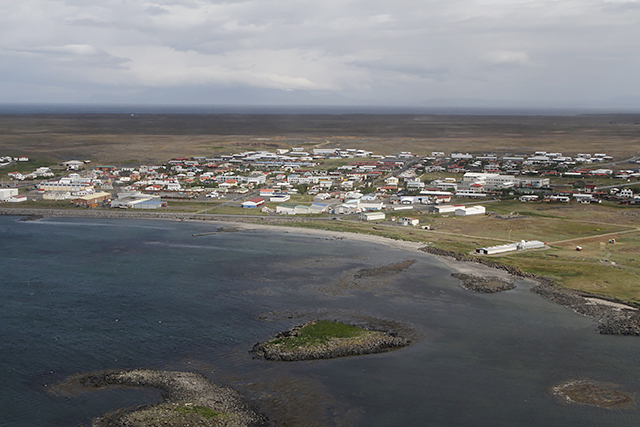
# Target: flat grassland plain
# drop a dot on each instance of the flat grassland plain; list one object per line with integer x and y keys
{"x": 610, "y": 270}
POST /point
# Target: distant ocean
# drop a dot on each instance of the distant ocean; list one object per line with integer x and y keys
{"x": 81, "y": 295}
{"x": 7, "y": 109}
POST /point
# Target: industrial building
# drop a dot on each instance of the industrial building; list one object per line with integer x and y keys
{"x": 470, "y": 210}
{"x": 7, "y": 193}
{"x": 372, "y": 216}
{"x": 134, "y": 200}
{"x": 92, "y": 200}
{"x": 519, "y": 246}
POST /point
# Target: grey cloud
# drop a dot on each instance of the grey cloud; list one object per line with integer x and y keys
{"x": 156, "y": 10}
{"x": 77, "y": 55}
{"x": 376, "y": 48}
{"x": 415, "y": 69}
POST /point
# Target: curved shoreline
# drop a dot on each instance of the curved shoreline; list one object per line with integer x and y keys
{"x": 612, "y": 320}
{"x": 188, "y": 399}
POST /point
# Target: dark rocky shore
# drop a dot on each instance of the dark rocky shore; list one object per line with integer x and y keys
{"x": 487, "y": 285}
{"x": 371, "y": 341}
{"x": 189, "y": 399}
{"x": 614, "y": 317}
{"x": 514, "y": 271}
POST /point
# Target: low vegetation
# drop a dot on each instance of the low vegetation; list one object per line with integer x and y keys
{"x": 318, "y": 333}
{"x": 325, "y": 339}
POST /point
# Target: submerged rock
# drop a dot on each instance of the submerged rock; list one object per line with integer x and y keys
{"x": 484, "y": 284}
{"x": 594, "y": 394}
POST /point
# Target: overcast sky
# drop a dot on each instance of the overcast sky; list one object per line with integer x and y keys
{"x": 542, "y": 53}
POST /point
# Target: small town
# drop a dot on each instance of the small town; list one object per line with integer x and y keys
{"x": 330, "y": 181}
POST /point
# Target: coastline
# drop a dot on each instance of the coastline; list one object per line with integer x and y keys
{"x": 257, "y": 223}
{"x": 613, "y": 317}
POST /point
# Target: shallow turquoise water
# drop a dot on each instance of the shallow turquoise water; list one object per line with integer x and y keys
{"x": 79, "y": 295}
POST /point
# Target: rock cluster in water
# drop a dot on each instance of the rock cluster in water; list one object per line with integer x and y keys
{"x": 593, "y": 394}
{"x": 189, "y": 399}
{"x": 368, "y": 342}
{"x": 484, "y": 284}
{"x": 396, "y": 268}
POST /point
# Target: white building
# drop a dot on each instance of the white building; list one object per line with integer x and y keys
{"x": 445, "y": 209}
{"x": 521, "y": 245}
{"x": 626, "y": 193}
{"x": 372, "y": 216}
{"x": 409, "y": 221}
{"x": 492, "y": 181}
{"x": 135, "y": 200}
{"x": 7, "y": 193}
{"x": 470, "y": 210}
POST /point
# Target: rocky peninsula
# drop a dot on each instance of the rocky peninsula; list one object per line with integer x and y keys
{"x": 324, "y": 339}
{"x": 188, "y": 399}
{"x": 614, "y": 317}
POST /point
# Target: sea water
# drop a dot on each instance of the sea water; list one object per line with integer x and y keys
{"x": 85, "y": 295}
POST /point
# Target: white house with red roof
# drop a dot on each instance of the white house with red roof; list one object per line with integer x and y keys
{"x": 253, "y": 203}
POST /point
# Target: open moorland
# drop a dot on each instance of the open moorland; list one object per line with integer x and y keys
{"x": 121, "y": 138}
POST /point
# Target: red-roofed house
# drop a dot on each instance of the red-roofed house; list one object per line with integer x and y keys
{"x": 253, "y": 203}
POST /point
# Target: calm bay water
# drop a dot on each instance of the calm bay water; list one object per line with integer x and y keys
{"x": 80, "y": 295}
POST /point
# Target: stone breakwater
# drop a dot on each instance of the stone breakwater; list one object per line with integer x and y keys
{"x": 487, "y": 285}
{"x": 369, "y": 342}
{"x": 189, "y": 399}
